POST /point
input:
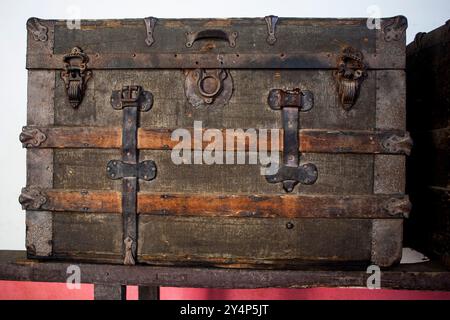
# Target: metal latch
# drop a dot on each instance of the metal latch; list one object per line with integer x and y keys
{"x": 349, "y": 76}
{"x": 290, "y": 173}
{"x": 75, "y": 75}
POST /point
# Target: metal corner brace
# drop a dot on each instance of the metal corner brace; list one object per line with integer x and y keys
{"x": 290, "y": 173}
{"x": 132, "y": 100}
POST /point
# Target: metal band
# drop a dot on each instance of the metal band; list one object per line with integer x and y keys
{"x": 291, "y": 102}
{"x": 132, "y": 99}
{"x": 129, "y": 185}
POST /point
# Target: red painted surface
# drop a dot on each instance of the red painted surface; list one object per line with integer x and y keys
{"x": 11, "y": 290}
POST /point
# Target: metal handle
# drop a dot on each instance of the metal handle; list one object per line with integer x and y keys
{"x": 230, "y": 37}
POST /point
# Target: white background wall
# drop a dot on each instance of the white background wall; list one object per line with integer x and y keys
{"x": 422, "y": 16}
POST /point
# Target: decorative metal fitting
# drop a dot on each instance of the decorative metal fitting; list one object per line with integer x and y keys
{"x": 145, "y": 170}
{"x": 75, "y": 75}
{"x": 32, "y": 198}
{"x": 129, "y": 259}
{"x": 398, "y": 207}
{"x": 208, "y": 87}
{"x": 132, "y": 96}
{"x": 271, "y": 22}
{"x": 394, "y": 28}
{"x": 192, "y": 36}
{"x": 291, "y": 102}
{"x": 398, "y": 144}
{"x": 37, "y": 29}
{"x": 150, "y": 23}
{"x": 349, "y": 76}
{"x": 31, "y": 137}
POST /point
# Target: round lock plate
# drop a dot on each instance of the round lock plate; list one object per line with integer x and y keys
{"x": 208, "y": 87}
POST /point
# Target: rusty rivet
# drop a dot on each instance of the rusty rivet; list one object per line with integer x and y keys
{"x": 289, "y": 225}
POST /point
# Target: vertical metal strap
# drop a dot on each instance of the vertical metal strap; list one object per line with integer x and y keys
{"x": 291, "y": 102}
{"x": 130, "y": 185}
{"x": 132, "y": 100}
{"x": 290, "y": 136}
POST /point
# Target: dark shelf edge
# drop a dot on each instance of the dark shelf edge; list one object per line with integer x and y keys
{"x": 425, "y": 276}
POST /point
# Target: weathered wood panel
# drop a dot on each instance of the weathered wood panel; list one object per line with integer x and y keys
{"x": 338, "y": 174}
{"x": 84, "y": 169}
{"x": 315, "y": 141}
{"x": 293, "y": 35}
{"x": 387, "y": 237}
{"x": 88, "y": 237}
{"x": 247, "y": 107}
{"x": 390, "y": 112}
{"x": 389, "y": 174}
{"x": 419, "y": 276}
{"x": 218, "y": 241}
{"x": 291, "y": 206}
{"x": 84, "y": 201}
{"x": 125, "y": 39}
{"x": 40, "y": 165}
{"x": 81, "y": 137}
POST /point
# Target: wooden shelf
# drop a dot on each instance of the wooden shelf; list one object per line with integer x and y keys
{"x": 424, "y": 276}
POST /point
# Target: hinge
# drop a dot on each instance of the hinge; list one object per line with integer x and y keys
{"x": 150, "y": 23}
{"x": 132, "y": 100}
{"x": 271, "y": 22}
{"x": 290, "y": 173}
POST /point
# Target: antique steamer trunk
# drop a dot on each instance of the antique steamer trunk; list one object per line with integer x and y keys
{"x": 428, "y": 64}
{"x": 106, "y": 104}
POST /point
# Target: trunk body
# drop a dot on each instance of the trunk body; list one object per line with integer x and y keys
{"x": 104, "y": 101}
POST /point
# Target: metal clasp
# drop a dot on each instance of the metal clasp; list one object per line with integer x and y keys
{"x": 75, "y": 75}
{"x": 132, "y": 96}
{"x": 349, "y": 76}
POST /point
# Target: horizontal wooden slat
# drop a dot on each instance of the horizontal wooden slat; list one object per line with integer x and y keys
{"x": 261, "y": 206}
{"x": 83, "y": 201}
{"x": 289, "y": 206}
{"x": 324, "y": 60}
{"x": 81, "y": 137}
{"x": 314, "y": 141}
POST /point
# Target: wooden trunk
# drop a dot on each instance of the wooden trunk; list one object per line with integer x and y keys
{"x": 104, "y": 104}
{"x": 428, "y": 63}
